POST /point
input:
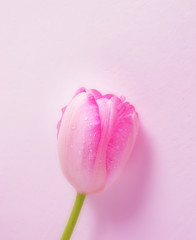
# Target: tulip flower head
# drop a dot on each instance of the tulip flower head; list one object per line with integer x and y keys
{"x": 96, "y": 135}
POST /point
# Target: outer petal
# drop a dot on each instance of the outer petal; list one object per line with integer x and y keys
{"x": 95, "y": 93}
{"x": 123, "y": 137}
{"x": 108, "y": 96}
{"x": 106, "y": 112}
{"x": 80, "y": 90}
{"x": 78, "y": 141}
{"x": 116, "y": 126}
{"x": 59, "y": 122}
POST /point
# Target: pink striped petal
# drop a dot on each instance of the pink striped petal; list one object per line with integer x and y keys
{"x": 108, "y": 96}
{"x": 80, "y": 90}
{"x": 95, "y": 93}
{"x": 106, "y": 112}
{"x": 78, "y": 141}
{"x": 125, "y": 128}
{"x": 59, "y": 122}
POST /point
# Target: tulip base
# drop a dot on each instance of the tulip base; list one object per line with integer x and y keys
{"x": 73, "y": 217}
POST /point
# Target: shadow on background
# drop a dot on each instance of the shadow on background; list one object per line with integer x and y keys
{"x": 124, "y": 199}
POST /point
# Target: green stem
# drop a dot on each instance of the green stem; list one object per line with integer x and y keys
{"x": 73, "y": 217}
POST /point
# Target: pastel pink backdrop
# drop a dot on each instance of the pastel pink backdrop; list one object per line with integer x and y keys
{"x": 144, "y": 50}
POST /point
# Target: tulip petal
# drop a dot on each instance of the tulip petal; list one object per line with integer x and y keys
{"x": 59, "y": 122}
{"x": 80, "y": 90}
{"x": 106, "y": 112}
{"x": 125, "y": 128}
{"x": 108, "y": 96}
{"x": 95, "y": 93}
{"x": 78, "y": 141}
{"x": 116, "y": 128}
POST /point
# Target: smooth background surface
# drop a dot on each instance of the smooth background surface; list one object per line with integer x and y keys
{"x": 145, "y": 50}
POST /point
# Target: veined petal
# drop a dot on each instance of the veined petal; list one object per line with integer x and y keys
{"x": 78, "y": 141}
{"x": 59, "y": 122}
{"x": 108, "y": 96}
{"x": 99, "y": 170}
{"x": 95, "y": 93}
{"x": 122, "y": 140}
{"x": 80, "y": 90}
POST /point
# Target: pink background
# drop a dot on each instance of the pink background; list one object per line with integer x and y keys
{"x": 145, "y": 50}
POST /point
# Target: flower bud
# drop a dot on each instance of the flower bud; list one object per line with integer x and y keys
{"x": 96, "y": 135}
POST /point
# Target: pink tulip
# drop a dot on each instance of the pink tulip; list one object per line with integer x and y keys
{"x": 96, "y": 135}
